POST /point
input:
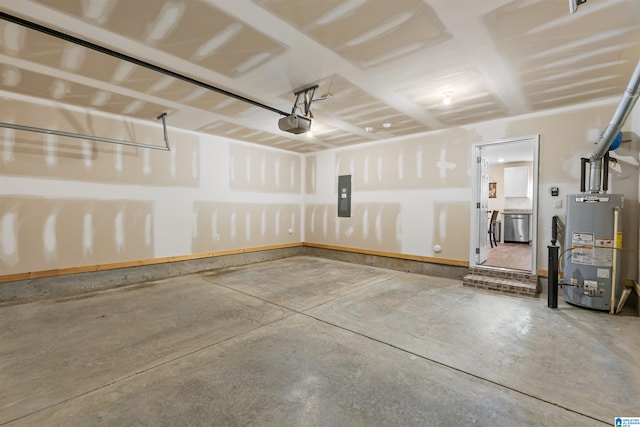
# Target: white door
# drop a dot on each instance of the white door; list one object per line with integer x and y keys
{"x": 484, "y": 154}
{"x": 483, "y": 208}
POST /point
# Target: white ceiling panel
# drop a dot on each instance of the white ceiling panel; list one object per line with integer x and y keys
{"x": 382, "y": 67}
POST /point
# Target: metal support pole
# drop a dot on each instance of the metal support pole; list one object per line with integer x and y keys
{"x": 583, "y": 174}
{"x": 605, "y": 172}
{"x": 163, "y": 117}
{"x": 552, "y": 291}
{"x": 614, "y": 261}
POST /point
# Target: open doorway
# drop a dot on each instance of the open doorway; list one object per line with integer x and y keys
{"x": 504, "y": 226}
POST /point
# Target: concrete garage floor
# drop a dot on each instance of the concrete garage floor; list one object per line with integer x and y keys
{"x": 307, "y": 341}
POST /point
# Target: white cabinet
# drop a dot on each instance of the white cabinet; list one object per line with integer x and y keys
{"x": 516, "y": 181}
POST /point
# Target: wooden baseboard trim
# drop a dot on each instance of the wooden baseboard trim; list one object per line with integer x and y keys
{"x": 443, "y": 261}
{"x": 137, "y": 263}
{"x": 115, "y": 265}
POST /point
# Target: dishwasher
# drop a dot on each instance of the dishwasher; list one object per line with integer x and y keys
{"x": 517, "y": 227}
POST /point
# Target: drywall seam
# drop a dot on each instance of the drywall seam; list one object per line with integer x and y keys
{"x": 613, "y": 101}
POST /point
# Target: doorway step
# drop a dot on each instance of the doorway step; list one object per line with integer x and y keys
{"x": 504, "y": 281}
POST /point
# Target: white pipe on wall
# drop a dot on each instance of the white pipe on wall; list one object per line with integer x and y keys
{"x": 627, "y": 102}
{"x": 614, "y": 260}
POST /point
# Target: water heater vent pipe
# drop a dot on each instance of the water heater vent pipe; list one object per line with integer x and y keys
{"x": 627, "y": 102}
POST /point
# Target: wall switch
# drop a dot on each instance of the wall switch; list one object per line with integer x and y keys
{"x": 557, "y": 204}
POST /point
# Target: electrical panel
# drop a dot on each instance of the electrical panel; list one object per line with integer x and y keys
{"x": 344, "y": 195}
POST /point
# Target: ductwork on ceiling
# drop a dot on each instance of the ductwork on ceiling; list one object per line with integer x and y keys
{"x": 627, "y": 102}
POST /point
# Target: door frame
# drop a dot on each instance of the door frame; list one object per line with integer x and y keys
{"x": 477, "y": 215}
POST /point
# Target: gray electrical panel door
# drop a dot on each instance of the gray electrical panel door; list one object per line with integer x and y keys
{"x": 344, "y": 195}
{"x": 589, "y": 268}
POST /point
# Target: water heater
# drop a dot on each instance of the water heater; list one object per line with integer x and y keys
{"x": 590, "y": 267}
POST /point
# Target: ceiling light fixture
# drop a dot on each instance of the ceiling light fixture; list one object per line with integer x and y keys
{"x": 368, "y": 129}
{"x": 446, "y": 100}
{"x": 386, "y": 125}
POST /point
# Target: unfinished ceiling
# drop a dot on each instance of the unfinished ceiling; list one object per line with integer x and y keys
{"x": 386, "y": 65}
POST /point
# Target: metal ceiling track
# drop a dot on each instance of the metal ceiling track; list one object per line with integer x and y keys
{"x": 127, "y": 58}
{"x": 95, "y": 138}
{"x": 136, "y": 61}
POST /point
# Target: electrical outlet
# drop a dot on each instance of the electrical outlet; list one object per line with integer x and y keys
{"x": 557, "y": 204}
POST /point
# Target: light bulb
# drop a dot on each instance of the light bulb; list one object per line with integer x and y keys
{"x": 447, "y": 98}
